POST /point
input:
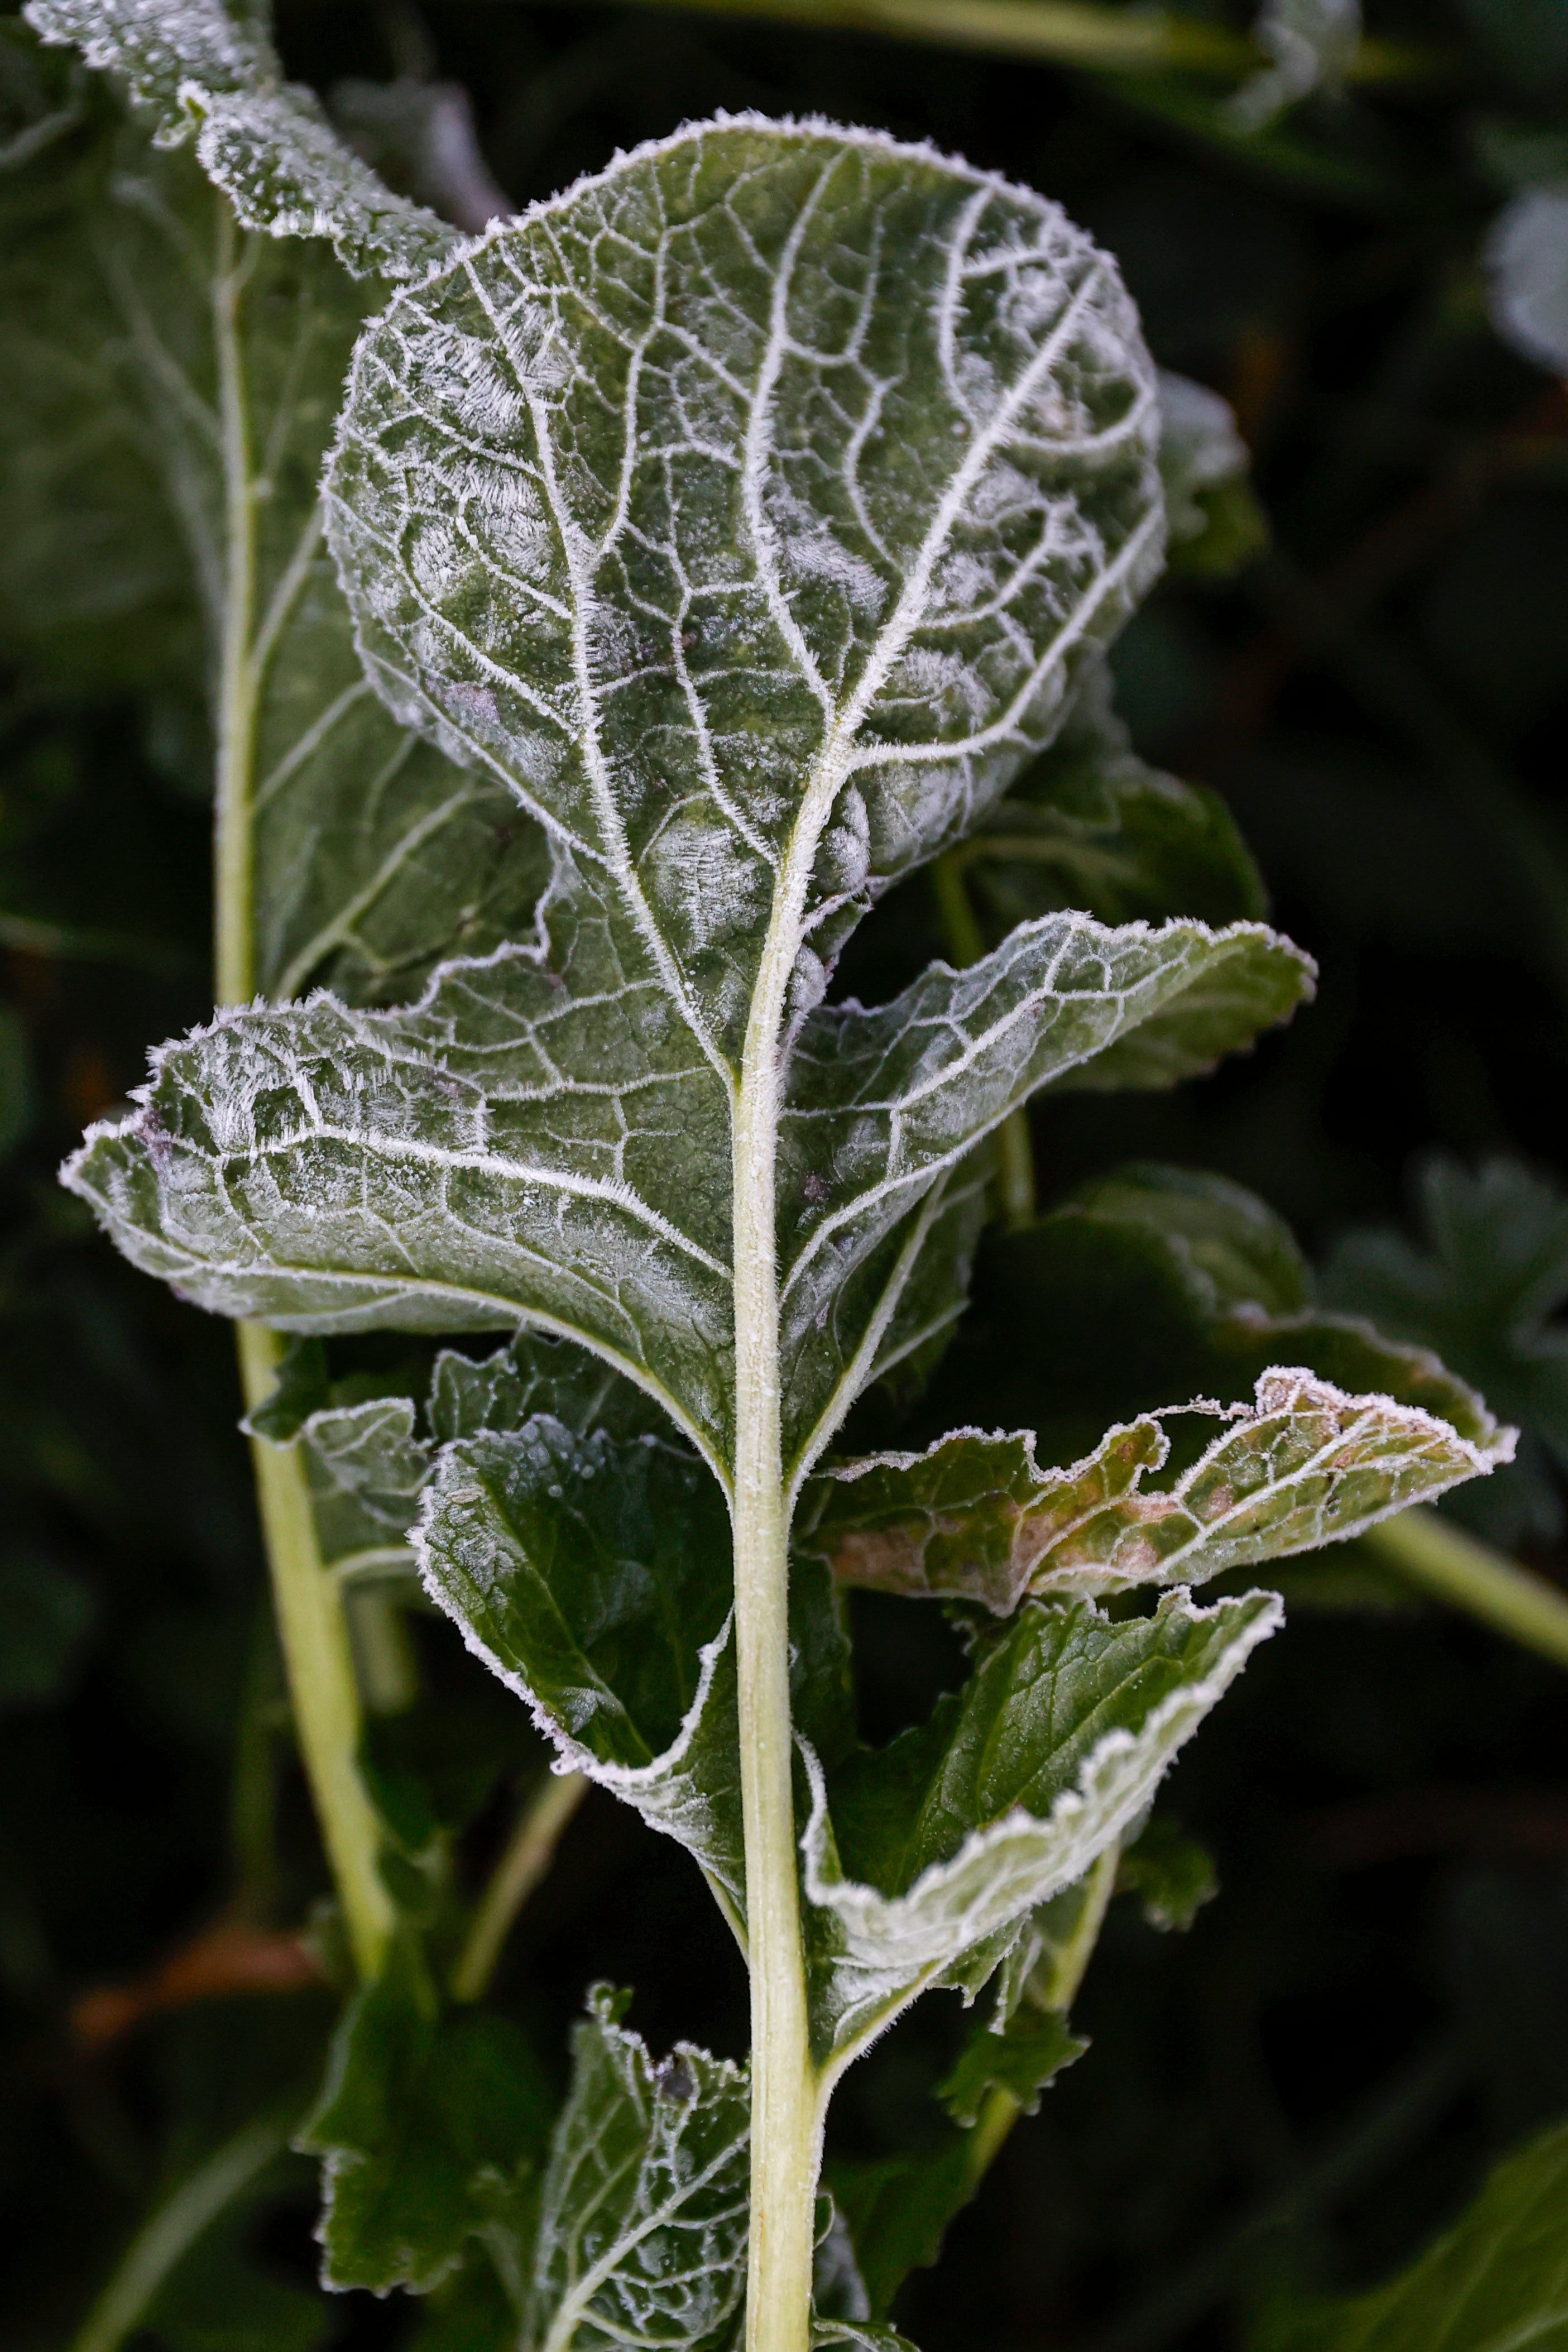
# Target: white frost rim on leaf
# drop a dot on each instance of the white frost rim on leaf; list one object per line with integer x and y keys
{"x": 643, "y": 1786}
{"x": 912, "y": 1938}
{"x": 1276, "y": 1392}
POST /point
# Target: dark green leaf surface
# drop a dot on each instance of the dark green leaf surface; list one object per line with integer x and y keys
{"x": 924, "y": 1859}
{"x": 898, "y": 2210}
{"x": 432, "y": 2130}
{"x": 593, "y": 1573}
{"x": 1498, "y": 2280}
{"x": 1487, "y": 1291}
{"x": 1022, "y": 2057}
{"x": 1171, "y": 1873}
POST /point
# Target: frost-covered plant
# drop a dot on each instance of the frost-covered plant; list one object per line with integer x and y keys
{"x": 709, "y": 549}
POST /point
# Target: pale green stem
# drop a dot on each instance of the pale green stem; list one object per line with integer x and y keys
{"x": 784, "y": 2128}
{"x": 1449, "y": 1563}
{"x": 174, "y": 2230}
{"x": 385, "y": 1665}
{"x": 1000, "y": 2110}
{"x": 319, "y": 1664}
{"x": 311, "y": 1627}
{"x": 965, "y": 943}
{"x": 528, "y": 1854}
{"x": 1065, "y": 32}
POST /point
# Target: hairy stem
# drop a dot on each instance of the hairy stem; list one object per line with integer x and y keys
{"x": 170, "y": 2233}
{"x": 1445, "y": 1560}
{"x": 312, "y": 1630}
{"x": 321, "y": 1668}
{"x": 785, "y": 2132}
{"x": 528, "y": 1854}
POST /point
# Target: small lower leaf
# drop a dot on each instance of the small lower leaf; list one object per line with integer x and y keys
{"x": 1022, "y": 2057}
{"x": 898, "y": 2209}
{"x": 1172, "y": 1876}
{"x": 432, "y": 2130}
{"x": 642, "y": 2218}
{"x": 594, "y": 1577}
{"x": 923, "y": 1860}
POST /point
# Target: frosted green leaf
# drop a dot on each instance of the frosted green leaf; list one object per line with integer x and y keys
{"x": 509, "y": 1149}
{"x": 750, "y": 509}
{"x": 365, "y": 1468}
{"x": 594, "y": 1577}
{"x": 1091, "y": 825}
{"x": 643, "y": 2220}
{"x": 857, "y": 2335}
{"x": 204, "y": 69}
{"x": 924, "y": 1862}
{"x": 592, "y": 1574}
{"x": 1496, "y": 2281}
{"x": 974, "y": 1518}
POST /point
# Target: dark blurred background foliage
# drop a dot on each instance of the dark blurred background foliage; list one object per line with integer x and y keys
{"x": 1294, "y": 2093}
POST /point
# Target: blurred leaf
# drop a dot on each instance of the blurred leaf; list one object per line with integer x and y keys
{"x": 1155, "y": 1282}
{"x": 432, "y": 2130}
{"x": 1527, "y": 266}
{"x": 1498, "y": 2279}
{"x": 1171, "y": 1873}
{"x": 45, "y": 1613}
{"x": 1022, "y": 2056}
{"x": 1091, "y": 825}
{"x": 1487, "y": 1291}
{"x": 1214, "y": 521}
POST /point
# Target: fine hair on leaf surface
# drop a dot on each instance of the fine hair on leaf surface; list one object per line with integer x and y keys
{"x": 747, "y": 522}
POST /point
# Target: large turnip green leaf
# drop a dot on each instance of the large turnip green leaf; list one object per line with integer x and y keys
{"x": 204, "y": 69}
{"x": 537, "y": 1140}
{"x": 975, "y": 1518}
{"x": 1496, "y": 2281}
{"x": 746, "y": 677}
{"x": 433, "y": 2131}
{"x": 923, "y": 1860}
{"x": 593, "y": 1573}
{"x": 642, "y": 2218}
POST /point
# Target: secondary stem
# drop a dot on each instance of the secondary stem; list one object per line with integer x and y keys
{"x": 528, "y": 1854}
{"x": 311, "y": 1626}
{"x": 320, "y": 1669}
{"x": 1443, "y": 1559}
{"x": 784, "y": 2106}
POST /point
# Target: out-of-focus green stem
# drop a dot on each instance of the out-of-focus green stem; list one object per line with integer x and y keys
{"x": 1445, "y": 1562}
{"x": 528, "y": 1854}
{"x": 1000, "y": 2110}
{"x": 170, "y": 2233}
{"x": 1063, "y": 32}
